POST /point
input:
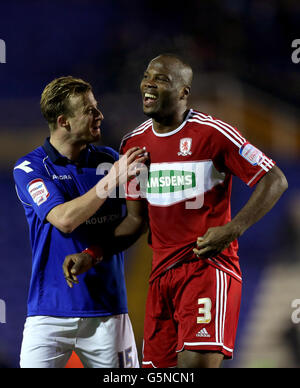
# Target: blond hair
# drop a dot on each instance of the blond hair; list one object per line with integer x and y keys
{"x": 55, "y": 97}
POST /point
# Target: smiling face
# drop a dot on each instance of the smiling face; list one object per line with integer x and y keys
{"x": 85, "y": 120}
{"x": 165, "y": 87}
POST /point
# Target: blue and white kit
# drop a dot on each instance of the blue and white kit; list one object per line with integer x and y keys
{"x": 44, "y": 179}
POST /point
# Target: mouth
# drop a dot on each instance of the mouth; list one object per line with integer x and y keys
{"x": 95, "y": 131}
{"x": 149, "y": 99}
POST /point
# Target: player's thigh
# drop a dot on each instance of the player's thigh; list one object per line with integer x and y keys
{"x": 199, "y": 359}
{"x": 47, "y": 342}
{"x": 107, "y": 342}
{"x": 160, "y": 328}
{"x": 207, "y": 309}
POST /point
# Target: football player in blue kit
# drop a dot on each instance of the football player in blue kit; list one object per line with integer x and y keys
{"x": 69, "y": 205}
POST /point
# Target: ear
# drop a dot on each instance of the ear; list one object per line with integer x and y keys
{"x": 185, "y": 92}
{"x": 62, "y": 121}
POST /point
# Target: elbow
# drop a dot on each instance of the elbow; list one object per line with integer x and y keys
{"x": 66, "y": 229}
{"x": 142, "y": 225}
{"x": 139, "y": 224}
{"x": 61, "y": 221}
{"x": 282, "y": 182}
{"x": 65, "y": 226}
{"x": 276, "y": 179}
{"x": 275, "y": 182}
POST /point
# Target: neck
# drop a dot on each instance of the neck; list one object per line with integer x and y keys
{"x": 169, "y": 123}
{"x": 66, "y": 147}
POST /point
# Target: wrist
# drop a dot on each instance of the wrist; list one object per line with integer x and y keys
{"x": 236, "y": 229}
{"x": 95, "y": 252}
{"x": 106, "y": 186}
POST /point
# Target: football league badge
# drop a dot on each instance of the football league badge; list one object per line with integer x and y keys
{"x": 185, "y": 146}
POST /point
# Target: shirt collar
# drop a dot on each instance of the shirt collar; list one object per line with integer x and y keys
{"x": 57, "y": 158}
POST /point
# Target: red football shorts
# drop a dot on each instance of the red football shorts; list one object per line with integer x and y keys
{"x": 193, "y": 306}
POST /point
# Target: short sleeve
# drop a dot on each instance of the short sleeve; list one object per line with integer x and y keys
{"x": 36, "y": 188}
{"x": 239, "y": 157}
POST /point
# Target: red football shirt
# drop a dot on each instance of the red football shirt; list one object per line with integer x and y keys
{"x": 188, "y": 186}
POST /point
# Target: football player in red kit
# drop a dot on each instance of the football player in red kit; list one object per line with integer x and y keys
{"x": 194, "y": 295}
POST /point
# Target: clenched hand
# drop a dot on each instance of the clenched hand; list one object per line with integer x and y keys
{"x": 76, "y": 264}
{"x": 215, "y": 240}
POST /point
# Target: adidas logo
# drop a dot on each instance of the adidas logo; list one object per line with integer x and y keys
{"x": 202, "y": 333}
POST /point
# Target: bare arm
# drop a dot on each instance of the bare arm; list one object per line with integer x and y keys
{"x": 125, "y": 234}
{"x": 131, "y": 228}
{"x": 267, "y": 192}
{"x": 68, "y": 216}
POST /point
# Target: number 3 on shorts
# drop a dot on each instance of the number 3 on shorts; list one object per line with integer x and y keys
{"x": 204, "y": 310}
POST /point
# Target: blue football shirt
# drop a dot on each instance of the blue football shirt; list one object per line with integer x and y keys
{"x": 45, "y": 179}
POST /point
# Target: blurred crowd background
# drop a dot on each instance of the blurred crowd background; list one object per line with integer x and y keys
{"x": 241, "y": 53}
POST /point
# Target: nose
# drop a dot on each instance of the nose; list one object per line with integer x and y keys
{"x": 101, "y": 115}
{"x": 149, "y": 83}
{"x": 98, "y": 114}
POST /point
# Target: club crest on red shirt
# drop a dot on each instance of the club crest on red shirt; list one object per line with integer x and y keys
{"x": 185, "y": 146}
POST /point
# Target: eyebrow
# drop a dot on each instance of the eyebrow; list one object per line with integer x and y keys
{"x": 91, "y": 106}
{"x": 158, "y": 74}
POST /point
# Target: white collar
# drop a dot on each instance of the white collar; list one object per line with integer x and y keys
{"x": 174, "y": 130}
